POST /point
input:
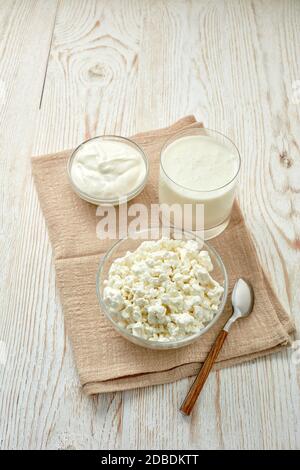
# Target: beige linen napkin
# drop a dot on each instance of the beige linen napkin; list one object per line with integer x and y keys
{"x": 107, "y": 362}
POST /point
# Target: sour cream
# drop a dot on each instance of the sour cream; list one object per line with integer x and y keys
{"x": 107, "y": 169}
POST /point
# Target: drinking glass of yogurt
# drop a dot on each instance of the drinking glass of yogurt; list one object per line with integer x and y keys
{"x": 198, "y": 170}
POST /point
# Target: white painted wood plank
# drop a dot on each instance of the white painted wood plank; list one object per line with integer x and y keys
{"x": 229, "y": 66}
{"x": 26, "y": 29}
{"x": 92, "y": 63}
{"x": 124, "y": 66}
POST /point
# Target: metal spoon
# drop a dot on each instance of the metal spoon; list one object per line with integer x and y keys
{"x": 242, "y": 300}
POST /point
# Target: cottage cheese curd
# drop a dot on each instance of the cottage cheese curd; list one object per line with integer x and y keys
{"x": 163, "y": 290}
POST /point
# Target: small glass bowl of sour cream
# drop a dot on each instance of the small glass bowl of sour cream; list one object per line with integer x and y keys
{"x": 108, "y": 170}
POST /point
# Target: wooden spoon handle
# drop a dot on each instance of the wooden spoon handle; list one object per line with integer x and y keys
{"x": 200, "y": 380}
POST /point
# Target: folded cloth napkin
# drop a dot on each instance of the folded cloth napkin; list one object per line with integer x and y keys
{"x": 105, "y": 360}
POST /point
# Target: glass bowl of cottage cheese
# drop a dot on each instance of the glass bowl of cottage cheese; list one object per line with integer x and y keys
{"x": 162, "y": 291}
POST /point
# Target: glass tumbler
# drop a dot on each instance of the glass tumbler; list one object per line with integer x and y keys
{"x": 205, "y": 211}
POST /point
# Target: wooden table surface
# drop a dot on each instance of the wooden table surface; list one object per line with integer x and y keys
{"x": 73, "y": 69}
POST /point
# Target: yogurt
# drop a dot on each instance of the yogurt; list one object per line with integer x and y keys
{"x": 108, "y": 168}
{"x": 200, "y": 169}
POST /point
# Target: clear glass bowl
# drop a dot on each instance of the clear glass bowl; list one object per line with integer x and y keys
{"x": 109, "y": 201}
{"x": 131, "y": 243}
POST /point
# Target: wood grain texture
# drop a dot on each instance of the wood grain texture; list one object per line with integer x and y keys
{"x": 73, "y": 69}
{"x": 195, "y": 390}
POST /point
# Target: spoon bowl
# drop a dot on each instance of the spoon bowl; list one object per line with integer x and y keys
{"x": 242, "y": 299}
